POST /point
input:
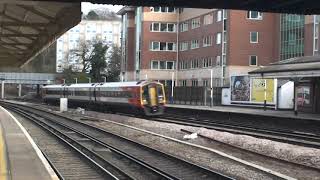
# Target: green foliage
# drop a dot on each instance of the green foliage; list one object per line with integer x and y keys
{"x": 98, "y": 61}
{"x": 114, "y": 65}
{"x": 103, "y": 14}
{"x": 92, "y": 15}
{"x": 69, "y": 75}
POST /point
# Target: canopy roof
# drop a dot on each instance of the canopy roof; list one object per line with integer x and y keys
{"x": 308, "y": 66}
{"x": 27, "y": 27}
{"x": 281, "y": 6}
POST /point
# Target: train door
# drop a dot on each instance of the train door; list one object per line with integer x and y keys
{"x": 153, "y": 97}
{"x": 150, "y": 95}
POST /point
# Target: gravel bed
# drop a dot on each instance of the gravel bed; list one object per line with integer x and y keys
{"x": 293, "y": 153}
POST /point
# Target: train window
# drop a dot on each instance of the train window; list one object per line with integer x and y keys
{"x": 145, "y": 93}
{"x": 160, "y": 94}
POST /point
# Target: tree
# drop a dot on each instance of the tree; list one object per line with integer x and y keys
{"x": 102, "y": 14}
{"x": 98, "y": 60}
{"x": 92, "y": 15}
{"x": 92, "y": 56}
{"x": 83, "y": 54}
{"x": 68, "y": 74}
{"x": 114, "y": 64}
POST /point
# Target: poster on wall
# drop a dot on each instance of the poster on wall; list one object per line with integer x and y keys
{"x": 303, "y": 95}
{"x": 240, "y": 88}
{"x": 258, "y": 90}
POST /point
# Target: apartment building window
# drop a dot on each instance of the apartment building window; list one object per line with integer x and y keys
{"x": 163, "y": 9}
{"x": 183, "y": 65}
{"x": 171, "y": 9}
{"x": 194, "y": 83}
{"x": 205, "y": 83}
{"x": 292, "y": 36}
{"x": 207, "y": 62}
{"x": 194, "y": 44}
{"x": 225, "y": 14}
{"x": 162, "y": 46}
{"x": 254, "y": 15}
{"x": 184, "y": 46}
{"x": 184, "y": 26}
{"x": 195, "y": 23}
{"x": 163, "y": 27}
{"x": 155, "y": 46}
{"x": 194, "y": 63}
{"x": 253, "y": 60}
{"x": 171, "y": 27}
{"x": 253, "y": 37}
{"x": 154, "y": 64}
{"x": 162, "y": 65}
{"x": 170, "y": 65}
{"x": 218, "y": 38}
{"x": 219, "y": 16}
{"x": 218, "y": 61}
{"x": 208, "y": 19}
{"x": 207, "y": 41}
{"x": 183, "y": 82}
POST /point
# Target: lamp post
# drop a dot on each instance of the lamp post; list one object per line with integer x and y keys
{"x": 89, "y": 78}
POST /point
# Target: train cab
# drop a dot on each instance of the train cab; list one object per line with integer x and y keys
{"x": 153, "y": 98}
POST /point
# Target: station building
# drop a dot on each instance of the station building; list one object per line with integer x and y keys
{"x": 159, "y": 43}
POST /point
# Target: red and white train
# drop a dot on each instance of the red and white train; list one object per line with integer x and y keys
{"x": 143, "y": 97}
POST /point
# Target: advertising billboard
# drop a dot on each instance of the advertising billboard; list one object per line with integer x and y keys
{"x": 240, "y": 88}
{"x": 259, "y": 88}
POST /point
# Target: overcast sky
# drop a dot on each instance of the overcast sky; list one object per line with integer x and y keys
{"x": 86, "y": 7}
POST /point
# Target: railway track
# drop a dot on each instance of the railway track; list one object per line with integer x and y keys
{"x": 297, "y": 138}
{"x": 120, "y": 157}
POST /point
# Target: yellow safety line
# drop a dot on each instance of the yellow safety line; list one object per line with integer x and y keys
{"x": 3, "y": 162}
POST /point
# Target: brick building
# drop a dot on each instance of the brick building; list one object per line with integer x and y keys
{"x": 192, "y": 45}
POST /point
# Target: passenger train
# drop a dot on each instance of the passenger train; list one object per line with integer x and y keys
{"x": 143, "y": 97}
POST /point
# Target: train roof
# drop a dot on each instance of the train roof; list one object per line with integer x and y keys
{"x": 122, "y": 84}
{"x": 112, "y": 84}
{"x": 53, "y": 86}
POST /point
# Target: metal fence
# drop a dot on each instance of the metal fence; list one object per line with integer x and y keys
{"x": 194, "y": 96}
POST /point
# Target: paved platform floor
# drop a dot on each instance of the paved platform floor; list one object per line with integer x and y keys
{"x": 22, "y": 157}
{"x": 255, "y": 111}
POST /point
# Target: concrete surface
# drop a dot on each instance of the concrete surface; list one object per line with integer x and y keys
{"x": 25, "y": 162}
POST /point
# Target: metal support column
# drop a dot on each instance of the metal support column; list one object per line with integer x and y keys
{"x": 2, "y": 89}
{"x": 38, "y": 90}
{"x": 19, "y": 90}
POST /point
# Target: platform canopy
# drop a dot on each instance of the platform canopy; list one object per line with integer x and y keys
{"x": 299, "y": 67}
{"x": 27, "y": 27}
{"x": 283, "y": 6}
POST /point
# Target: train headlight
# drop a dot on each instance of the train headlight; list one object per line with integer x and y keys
{"x": 144, "y": 102}
{"x": 161, "y": 99}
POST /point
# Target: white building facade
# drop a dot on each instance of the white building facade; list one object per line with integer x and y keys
{"x": 87, "y": 30}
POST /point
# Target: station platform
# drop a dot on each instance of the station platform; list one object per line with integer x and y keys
{"x": 251, "y": 111}
{"x": 20, "y": 158}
